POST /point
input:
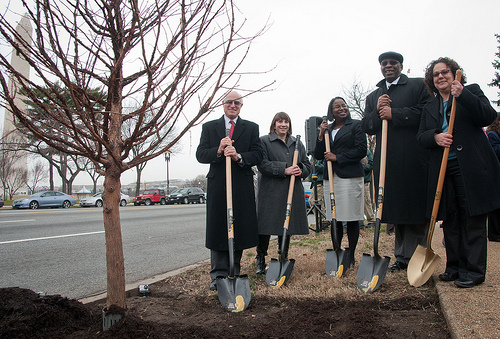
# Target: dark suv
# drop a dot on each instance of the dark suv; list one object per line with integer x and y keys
{"x": 187, "y": 195}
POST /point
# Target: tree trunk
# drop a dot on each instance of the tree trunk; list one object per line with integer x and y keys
{"x": 64, "y": 158}
{"x": 114, "y": 245}
{"x": 51, "y": 176}
{"x": 138, "y": 181}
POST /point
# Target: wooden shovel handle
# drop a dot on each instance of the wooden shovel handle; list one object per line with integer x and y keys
{"x": 291, "y": 186}
{"x": 381, "y": 180}
{"x": 229, "y": 196}
{"x": 330, "y": 170}
{"x": 442, "y": 170}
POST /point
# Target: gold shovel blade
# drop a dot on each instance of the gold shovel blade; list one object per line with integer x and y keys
{"x": 421, "y": 266}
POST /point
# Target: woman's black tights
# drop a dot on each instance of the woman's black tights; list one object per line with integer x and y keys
{"x": 352, "y": 237}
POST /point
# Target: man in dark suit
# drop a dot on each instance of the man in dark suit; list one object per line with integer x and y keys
{"x": 245, "y": 150}
{"x": 399, "y": 100}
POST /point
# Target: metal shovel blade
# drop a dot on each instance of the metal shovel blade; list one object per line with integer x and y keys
{"x": 234, "y": 292}
{"x": 371, "y": 272}
{"x": 278, "y": 272}
{"x": 336, "y": 262}
{"x": 421, "y": 266}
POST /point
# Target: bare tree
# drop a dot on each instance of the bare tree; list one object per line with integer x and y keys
{"x": 94, "y": 173}
{"x": 128, "y": 128}
{"x": 12, "y": 177}
{"x": 355, "y": 95}
{"x": 200, "y": 181}
{"x": 175, "y": 58}
{"x": 36, "y": 173}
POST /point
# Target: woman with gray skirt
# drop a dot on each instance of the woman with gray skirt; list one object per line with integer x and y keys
{"x": 347, "y": 148}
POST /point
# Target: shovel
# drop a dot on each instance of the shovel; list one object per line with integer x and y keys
{"x": 336, "y": 258}
{"x": 372, "y": 270}
{"x": 233, "y": 291}
{"x": 279, "y": 271}
{"x": 424, "y": 261}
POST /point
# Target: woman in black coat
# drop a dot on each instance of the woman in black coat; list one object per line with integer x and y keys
{"x": 347, "y": 148}
{"x": 493, "y": 133}
{"x": 275, "y": 172}
{"x": 471, "y": 187}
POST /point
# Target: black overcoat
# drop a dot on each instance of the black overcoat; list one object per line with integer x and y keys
{"x": 274, "y": 184}
{"x": 478, "y": 163}
{"x": 406, "y": 162}
{"x": 247, "y": 143}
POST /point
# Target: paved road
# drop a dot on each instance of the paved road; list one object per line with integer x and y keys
{"x": 58, "y": 251}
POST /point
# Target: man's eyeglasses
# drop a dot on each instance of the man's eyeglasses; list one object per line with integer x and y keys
{"x": 392, "y": 62}
{"x": 443, "y": 73}
{"x": 230, "y": 102}
{"x": 340, "y": 106}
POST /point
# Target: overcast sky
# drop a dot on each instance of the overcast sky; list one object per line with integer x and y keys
{"x": 318, "y": 47}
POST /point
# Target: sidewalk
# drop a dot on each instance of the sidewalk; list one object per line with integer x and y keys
{"x": 470, "y": 312}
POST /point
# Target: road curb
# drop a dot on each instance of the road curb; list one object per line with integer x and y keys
{"x": 131, "y": 288}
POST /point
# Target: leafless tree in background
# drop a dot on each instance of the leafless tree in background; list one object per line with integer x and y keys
{"x": 355, "y": 95}
{"x": 199, "y": 181}
{"x": 128, "y": 128}
{"x": 175, "y": 58}
{"x": 12, "y": 176}
{"x": 94, "y": 175}
{"x": 36, "y": 174}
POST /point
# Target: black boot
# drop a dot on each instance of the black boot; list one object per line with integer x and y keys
{"x": 261, "y": 264}
{"x": 261, "y": 253}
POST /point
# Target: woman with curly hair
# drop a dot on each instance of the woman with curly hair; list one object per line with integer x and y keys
{"x": 493, "y": 132}
{"x": 472, "y": 182}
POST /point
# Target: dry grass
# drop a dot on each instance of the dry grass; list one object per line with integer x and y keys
{"x": 308, "y": 278}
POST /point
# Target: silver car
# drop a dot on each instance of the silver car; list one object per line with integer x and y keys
{"x": 45, "y": 199}
{"x": 96, "y": 200}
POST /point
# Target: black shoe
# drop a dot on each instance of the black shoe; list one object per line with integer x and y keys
{"x": 398, "y": 266}
{"x": 261, "y": 265}
{"x": 372, "y": 224}
{"x": 213, "y": 285}
{"x": 466, "y": 283}
{"x": 448, "y": 276}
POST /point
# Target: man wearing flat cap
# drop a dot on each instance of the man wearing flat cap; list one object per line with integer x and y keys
{"x": 399, "y": 100}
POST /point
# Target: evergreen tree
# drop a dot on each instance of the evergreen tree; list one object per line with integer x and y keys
{"x": 496, "y": 65}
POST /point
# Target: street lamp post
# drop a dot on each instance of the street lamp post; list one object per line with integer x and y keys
{"x": 167, "y": 160}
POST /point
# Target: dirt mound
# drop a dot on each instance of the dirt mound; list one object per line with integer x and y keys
{"x": 311, "y": 305}
{"x": 25, "y": 314}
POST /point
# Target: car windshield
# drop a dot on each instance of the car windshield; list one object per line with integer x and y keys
{"x": 38, "y": 194}
{"x": 97, "y": 195}
{"x": 183, "y": 190}
{"x": 149, "y": 192}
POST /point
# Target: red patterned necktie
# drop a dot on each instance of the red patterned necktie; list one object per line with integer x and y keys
{"x": 231, "y": 130}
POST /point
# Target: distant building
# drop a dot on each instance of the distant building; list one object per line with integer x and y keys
{"x": 24, "y": 29}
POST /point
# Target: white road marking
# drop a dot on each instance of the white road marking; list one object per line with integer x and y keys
{"x": 48, "y": 238}
{"x": 6, "y": 221}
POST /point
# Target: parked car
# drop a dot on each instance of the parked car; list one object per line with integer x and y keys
{"x": 45, "y": 199}
{"x": 1, "y": 201}
{"x": 307, "y": 191}
{"x": 151, "y": 197}
{"x": 96, "y": 200}
{"x": 187, "y": 195}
